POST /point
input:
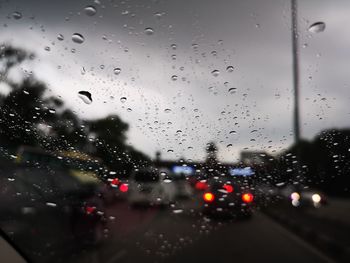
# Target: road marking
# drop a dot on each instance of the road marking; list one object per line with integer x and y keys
{"x": 298, "y": 240}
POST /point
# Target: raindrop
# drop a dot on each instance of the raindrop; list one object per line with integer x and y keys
{"x": 129, "y": 110}
{"x": 174, "y": 77}
{"x": 167, "y": 110}
{"x": 230, "y": 69}
{"x": 215, "y": 73}
{"x": 117, "y": 71}
{"x": 51, "y": 204}
{"x": 178, "y": 211}
{"x": 158, "y": 15}
{"x": 317, "y": 27}
{"x": 90, "y": 10}
{"x": 47, "y": 48}
{"x": 232, "y": 90}
{"x": 52, "y": 111}
{"x": 85, "y": 96}
{"x": 60, "y": 37}
{"x": 78, "y": 38}
{"x": 149, "y": 31}
{"x": 229, "y": 145}
{"x": 195, "y": 46}
{"x": 16, "y": 15}
{"x": 123, "y": 99}
{"x": 173, "y": 46}
{"x": 233, "y": 132}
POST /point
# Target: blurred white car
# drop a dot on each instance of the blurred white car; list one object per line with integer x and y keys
{"x": 150, "y": 186}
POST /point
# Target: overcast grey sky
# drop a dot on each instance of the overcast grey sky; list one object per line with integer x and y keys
{"x": 180, "y": 116}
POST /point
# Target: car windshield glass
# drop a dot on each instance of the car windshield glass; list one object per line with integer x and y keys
{"x": 175, "y": 131}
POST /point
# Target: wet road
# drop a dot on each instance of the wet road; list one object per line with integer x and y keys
{"x": 181, "y": 235}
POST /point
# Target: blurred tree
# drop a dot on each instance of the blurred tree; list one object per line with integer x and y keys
{"x": 324, "y": 161}
{"x": 109, "y": 137}
{"x": 29, "y": 116}
{"x": 9, "y": 58}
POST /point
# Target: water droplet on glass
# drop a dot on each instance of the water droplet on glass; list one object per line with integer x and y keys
{"x": 47, "y": 48}
{"x": 178, "y": 211}
{"x": 317, "y": 27}
{"x": 51, "y": 204}
{"x": 215, "y": 73}
{"x": 230, "y": 69}
{"x": 167, "y": 181}
{"x": 173, "y": 77}
{"x": 52, "y": 111}
{"x": 60, "y": 37}
{"x": 85, "y": 96}
{"x": 129, "y": 110}
{"x": 149, "y": 31}
{"x": 173, "y": 46}
{"x": 232, "y": 90}
{"x": 90, "y": 10}
{"x": 167, "y": 110}
{"x": 117, "y": 71}
{"x": 123, "y": 99}
{"x": 195, "y": 46}
{"x": 229, "y": 145}
{"x": 16, "y": 15}
{"x": 78, "y": 38}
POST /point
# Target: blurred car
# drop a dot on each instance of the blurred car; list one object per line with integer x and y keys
{"x": 150, "y": 186}
{"x": 114, "y": 189}
{"x": 182, "y": 185}
{"x": 222, "y": 196}
{"x": 32, "y": 200}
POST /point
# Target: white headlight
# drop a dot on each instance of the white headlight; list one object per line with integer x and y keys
{"x": 295, "y": 196}
{"x": 316, "y": 198}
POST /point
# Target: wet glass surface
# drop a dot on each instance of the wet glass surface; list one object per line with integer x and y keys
{"x": 168, "y": 131}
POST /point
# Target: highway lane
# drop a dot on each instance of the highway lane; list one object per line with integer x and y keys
{"x": 153, "y": 235}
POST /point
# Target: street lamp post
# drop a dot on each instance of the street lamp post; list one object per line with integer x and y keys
{"x": 296, "y": 81}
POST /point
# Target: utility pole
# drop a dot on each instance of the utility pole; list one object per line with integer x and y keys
{"x": 296, "y": 81}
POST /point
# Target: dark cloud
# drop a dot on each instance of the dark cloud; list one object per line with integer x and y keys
{"x": 252, "y": 36}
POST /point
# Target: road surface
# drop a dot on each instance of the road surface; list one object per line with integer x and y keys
{"x": 182, "y": 235}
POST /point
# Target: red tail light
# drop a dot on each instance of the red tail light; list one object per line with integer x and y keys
{"x": 90, "y": 209}
{"x": 115, "y": 181}
{"x": 201, "y": 185}
{"x": 228, "y": 188}
{"x": 208, "y": 197}
{"x": 247, "y": 198}
{"x": 123, "y": 188}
